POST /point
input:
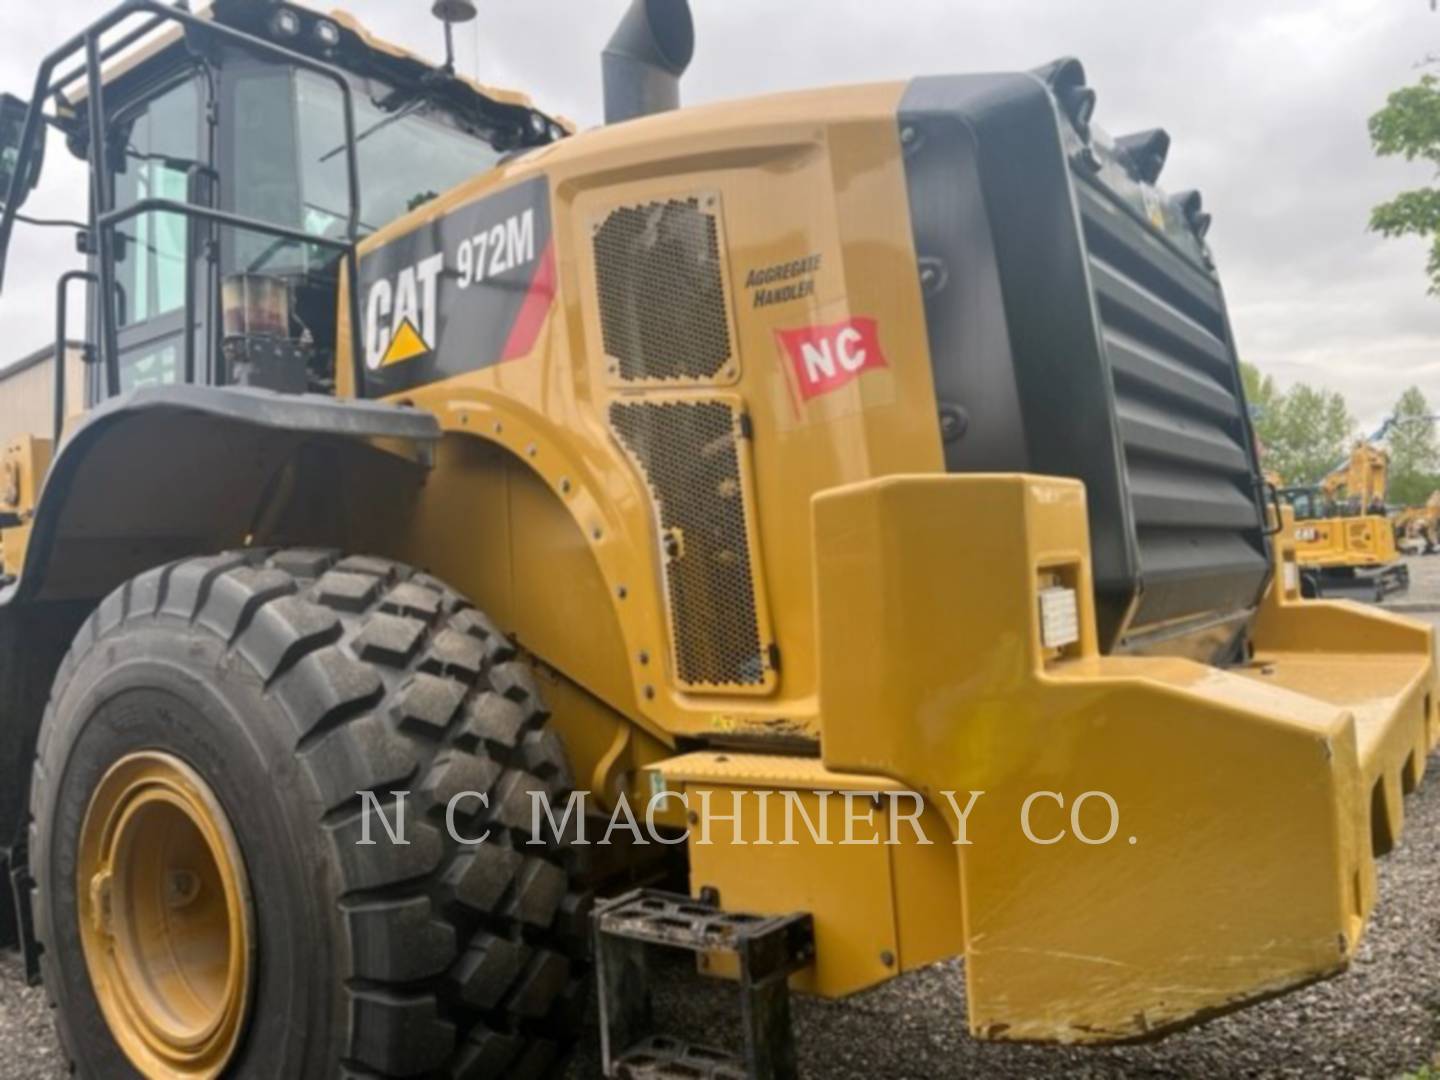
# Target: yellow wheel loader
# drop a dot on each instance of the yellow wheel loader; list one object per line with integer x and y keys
{"x": 865, "y": 463}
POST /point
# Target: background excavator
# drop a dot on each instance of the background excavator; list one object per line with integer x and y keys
{"x": 1420, "y": 525}
{"x": 1341, "y": 531}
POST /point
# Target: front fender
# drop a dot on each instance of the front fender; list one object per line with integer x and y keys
{"x": 164, "y": 472}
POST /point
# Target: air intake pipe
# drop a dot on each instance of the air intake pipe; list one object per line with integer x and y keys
{"x": 643, "y": 63}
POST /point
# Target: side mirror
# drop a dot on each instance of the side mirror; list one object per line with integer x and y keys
{"x": 13, "y": 113}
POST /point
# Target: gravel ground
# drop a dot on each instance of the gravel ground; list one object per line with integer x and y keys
{"x": 1380, "y": 1019}
{"x": 1424, "y": 584}
{"x": 27, "y": 1042}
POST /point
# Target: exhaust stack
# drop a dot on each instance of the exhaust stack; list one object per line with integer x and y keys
{"x": 643, "y": 62}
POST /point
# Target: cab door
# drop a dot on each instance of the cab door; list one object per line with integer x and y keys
{"x": 159, "y": 151}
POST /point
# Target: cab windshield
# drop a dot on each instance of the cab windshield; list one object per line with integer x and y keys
{"x": 406, "y": 156}
{"x": 290, "y": 163}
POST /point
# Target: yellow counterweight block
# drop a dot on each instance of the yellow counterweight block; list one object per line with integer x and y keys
{"x": 1156, "y": 839}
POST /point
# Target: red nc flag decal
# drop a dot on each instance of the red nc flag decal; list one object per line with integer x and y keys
{"x": 825, "y": 358}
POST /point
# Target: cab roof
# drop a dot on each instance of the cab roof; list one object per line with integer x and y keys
{"x": 360, "y": 50}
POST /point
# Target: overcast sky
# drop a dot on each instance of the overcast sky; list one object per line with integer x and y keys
{"x": 1266, "y": 101}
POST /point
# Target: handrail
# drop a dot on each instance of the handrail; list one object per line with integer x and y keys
{"x": 59, "y": 85}
{"x": 221, "y": 217}
{"x": 62, "y": 293}
{"x": 194, "y": 211}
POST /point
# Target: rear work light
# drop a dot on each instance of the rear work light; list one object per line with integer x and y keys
{"x": 1059, "y": 617}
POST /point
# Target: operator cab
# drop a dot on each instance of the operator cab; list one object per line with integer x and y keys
{"x": 1309, "y": 503}
{"x": 238, "y": 115}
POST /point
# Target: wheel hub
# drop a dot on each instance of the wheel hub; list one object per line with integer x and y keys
{"x": 165, "y": 917}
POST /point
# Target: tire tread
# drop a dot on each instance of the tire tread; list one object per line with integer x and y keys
{"x": 460, "y": 964}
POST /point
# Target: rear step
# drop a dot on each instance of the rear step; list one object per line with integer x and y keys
{"x": 767, "y": 949}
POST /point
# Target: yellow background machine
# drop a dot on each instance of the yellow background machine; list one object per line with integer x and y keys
{"x": 1421, "y": 524}
{"x": 1344, "y": 539}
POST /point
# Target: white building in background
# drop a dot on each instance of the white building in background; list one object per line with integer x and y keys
{"x": 27, "y": 393}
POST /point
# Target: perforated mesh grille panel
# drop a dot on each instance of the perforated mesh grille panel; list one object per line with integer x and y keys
{"x": 662, "y": 293}
{"x": 689, "y": 454}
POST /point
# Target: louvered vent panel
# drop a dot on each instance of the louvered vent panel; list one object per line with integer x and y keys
{"x": 1197, "y": 518}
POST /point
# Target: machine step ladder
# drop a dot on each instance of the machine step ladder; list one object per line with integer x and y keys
{"x": 767, "y": 949}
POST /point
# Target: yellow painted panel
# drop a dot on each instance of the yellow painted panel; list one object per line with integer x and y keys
{"x": 827, "y": 163}
{"x": 848, "y": 888}
{"x": 1245, "y": 800}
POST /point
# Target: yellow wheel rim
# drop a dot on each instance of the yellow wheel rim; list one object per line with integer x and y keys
{"x": 165, "y": 917}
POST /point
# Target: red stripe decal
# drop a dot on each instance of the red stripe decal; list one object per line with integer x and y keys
{"x": 535, "y": 309}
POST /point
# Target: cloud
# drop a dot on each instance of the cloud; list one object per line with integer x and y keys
{"x": 1267, "y": 104}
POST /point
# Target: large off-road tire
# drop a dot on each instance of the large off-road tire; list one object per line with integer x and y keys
{"x": 288, "y": 682}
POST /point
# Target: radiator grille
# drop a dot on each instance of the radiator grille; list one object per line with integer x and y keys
{"x": 1197, "y": 519}
{"x": 689, "y": 454}
{"x": 661, "y": 292}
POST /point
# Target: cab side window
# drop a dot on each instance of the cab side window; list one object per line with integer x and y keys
{"x": 158, "y": 143}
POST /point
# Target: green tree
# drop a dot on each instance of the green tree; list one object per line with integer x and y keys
{"x": 1409, "y": 127}
{"x": 1414, "y": 455}
{"x": 1304, "y": 432}
{"x": 1266, "y": 405}
{"x": 1316, "y": 432}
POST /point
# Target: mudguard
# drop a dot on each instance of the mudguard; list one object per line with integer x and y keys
{"x": 167, "y": 467}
